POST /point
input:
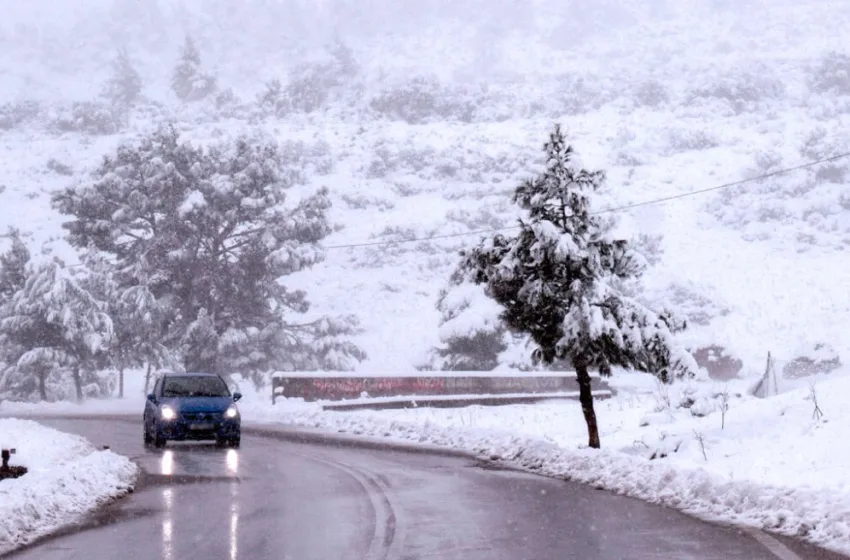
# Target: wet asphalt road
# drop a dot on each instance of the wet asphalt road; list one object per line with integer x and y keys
{"x": 278, "y": 499}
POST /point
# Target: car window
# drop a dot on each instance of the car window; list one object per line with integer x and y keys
{"x": 194, "y": 387}
{"x": 157, "y": 387}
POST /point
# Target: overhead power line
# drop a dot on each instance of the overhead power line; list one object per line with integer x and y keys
{"x": 661, "y": 200}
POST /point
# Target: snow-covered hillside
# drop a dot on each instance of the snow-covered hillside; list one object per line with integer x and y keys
{"x": 667, "y": 97}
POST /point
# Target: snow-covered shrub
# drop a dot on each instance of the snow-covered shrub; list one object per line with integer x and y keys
{"x": 577, "y": 94}
{"x": 59, "y": 168}
{"x": 650, "y": 246}
{"x": 694, "y": 304}
{"x": 310, "y": 85}
{"x": 832, "y": 75}
{"x": 650, "y": 94}
{"x": 388, "y": 159}
{"x": 88, "y": 117}
{"x": 681, "y": 139}
{"x": 742, "y": 91}
{"x": 422, "y": 99}
{"x": 820, "y": 358}
{"x": 363, "y": 202}
{"x": 16, "y": 113}
{"x": 271, "y": 101}
{"x": 404, "y": 188}
{"x": 718, "y": 362}
{"x": 308, "y": 158}
{"x": 484, "y": 218}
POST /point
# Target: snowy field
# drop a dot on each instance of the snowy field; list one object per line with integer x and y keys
{"x": 67, "y": 478}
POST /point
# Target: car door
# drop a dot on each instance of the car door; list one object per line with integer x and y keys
{"x": 150, "y": 408}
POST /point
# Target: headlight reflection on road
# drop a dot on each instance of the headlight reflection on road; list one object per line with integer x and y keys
{"x": 167, "y": 463}
{"x": 234, "y": 520}
{"x": 232, "y": 460}
{"x": 167, "y": 525}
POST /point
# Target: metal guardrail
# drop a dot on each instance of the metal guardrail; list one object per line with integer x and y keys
{"x": 313, "y": 388}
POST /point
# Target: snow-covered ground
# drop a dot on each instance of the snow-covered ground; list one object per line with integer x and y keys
{"x": 771, "y": 463}
{"x": 774, "y": 463}
{"x": 67, "y": 478}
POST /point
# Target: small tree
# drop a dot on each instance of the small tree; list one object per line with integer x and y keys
{"x": 13, "y": 264}
{"x": 188, "y": 80}
{"x": 472, "y": 334}
{"x": 124, "y": 85}
{"x": 555, "y": 281}
{"x": 56, "y": 324}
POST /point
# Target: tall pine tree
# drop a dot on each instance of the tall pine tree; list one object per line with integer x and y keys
{"x": 556, "y": 281}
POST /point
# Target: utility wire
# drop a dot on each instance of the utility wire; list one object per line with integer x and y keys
{"x": 608, "y": 210}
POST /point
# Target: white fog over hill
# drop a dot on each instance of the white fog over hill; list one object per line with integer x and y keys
{"x": 421, "y": 117}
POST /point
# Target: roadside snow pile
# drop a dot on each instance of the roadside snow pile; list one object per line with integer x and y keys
{"x": 772, "y": 464}
{"x": 67, "y": 478}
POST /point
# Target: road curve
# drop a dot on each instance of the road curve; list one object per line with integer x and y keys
{"x": 278, "y": 499}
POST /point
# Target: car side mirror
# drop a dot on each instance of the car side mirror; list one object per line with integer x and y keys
{"x": 237, "y": 396}
{"x": 152, "y": 398}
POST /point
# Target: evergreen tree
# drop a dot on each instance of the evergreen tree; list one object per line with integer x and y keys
{"x": 124, "y": 85}
{"x": 188, "y": 81}
{"x": 207, "y": 231}
{"x": 56, "y": 325}
{"x": 136, "y": 319}
{"x": 13, "y": 265}
{"x": 472, "y": 334}
{"x": 556, "y": 281}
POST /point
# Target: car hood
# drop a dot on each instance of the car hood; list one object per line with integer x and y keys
{"x": 198, "y": 404}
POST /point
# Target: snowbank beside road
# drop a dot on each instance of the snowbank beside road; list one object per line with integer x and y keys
{"x": 771, "y": 464}
{"x": 67, "y": 478}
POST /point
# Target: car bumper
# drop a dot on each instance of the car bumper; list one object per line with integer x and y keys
{"x": 179, "y": 430}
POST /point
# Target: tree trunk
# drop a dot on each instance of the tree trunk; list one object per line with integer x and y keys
{"x": 148, "y": 377}
{"x": 121, "y": 382}
{"x": 586, "y": 400}
{"x": 78, "y": 384}
{"x": 42, "y": 385}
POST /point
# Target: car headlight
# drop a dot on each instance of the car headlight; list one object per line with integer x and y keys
{"x": 167, "y": 413}
{"x": 231, "y": 412}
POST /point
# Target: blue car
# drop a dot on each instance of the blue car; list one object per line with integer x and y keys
{"x": 192, "y": 406}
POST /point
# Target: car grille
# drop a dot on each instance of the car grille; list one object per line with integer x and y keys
{"x": 201, "y": 416}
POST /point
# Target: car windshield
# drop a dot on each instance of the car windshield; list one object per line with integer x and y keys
{"x": 194, "y": 387}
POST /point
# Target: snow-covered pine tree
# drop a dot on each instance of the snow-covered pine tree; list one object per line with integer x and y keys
{"x": 56, "y": 325}
{"x": 201, "y": 344}
{"x": 555, "y": 281}
{"x": 124, "y": 85}
{"x": 188, "y": 80}
{"x": 472, "y": 335}
{"x": 13, "y": 275}
{"x": 208, "y": 228}
{"x": 13, "y": 264}
{"x": 136, "y": 319}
